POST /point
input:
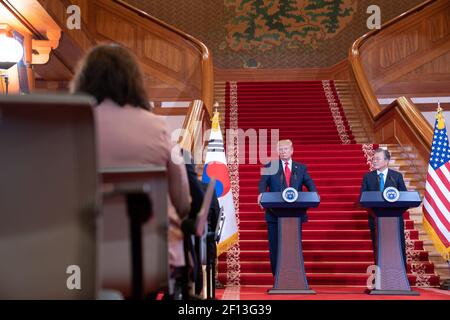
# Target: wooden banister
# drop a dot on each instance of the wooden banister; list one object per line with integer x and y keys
{"x": 356, "y": 64}
{"x": 196, "y": 123}
{"x": 401, "y": 122}
{"x": 412, "y": 117}
{"x": 207, "y": 90}
{"x": 176, "y": 66}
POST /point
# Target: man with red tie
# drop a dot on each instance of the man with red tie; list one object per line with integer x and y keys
{"x": 277, "y": 176}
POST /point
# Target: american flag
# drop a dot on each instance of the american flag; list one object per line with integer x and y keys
{"x": 436, "y": 213}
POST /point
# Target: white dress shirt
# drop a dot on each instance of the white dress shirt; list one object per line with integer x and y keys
{"x": 384, "y": 172}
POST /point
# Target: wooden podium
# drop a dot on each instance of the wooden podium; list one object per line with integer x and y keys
{"x": 391, "y": 277}
{"x": 290, "y": 276}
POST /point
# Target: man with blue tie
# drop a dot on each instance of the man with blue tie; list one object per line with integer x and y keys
{"x": 277, "y": 176}
{"x": 378, "y": 180}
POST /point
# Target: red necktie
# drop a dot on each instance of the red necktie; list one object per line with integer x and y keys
{"x": 287, "y": 173}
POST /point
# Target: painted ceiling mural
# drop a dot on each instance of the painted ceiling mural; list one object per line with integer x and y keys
{"x": 273, "y": 33}
{"x": 263, "y": 25}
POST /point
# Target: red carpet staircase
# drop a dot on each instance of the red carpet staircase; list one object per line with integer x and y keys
{"x": 336, "y": 240}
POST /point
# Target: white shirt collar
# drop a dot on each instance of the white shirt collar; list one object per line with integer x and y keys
{"x": 384, "y": 172}
{"x": 289, "y": 162}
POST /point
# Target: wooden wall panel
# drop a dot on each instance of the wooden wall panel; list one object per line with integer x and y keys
{"x": 115, "y": 29}
{"x": 395, "y": 130}
{"x": 173, "y": 62}
{"x": 193, "y": 74}
{"x": 425, "y": 86}
{"x": 399, "y": 48}
{"x": 388, "y": 130}
{"x": 163, "y": 52}
{"x": 439, "y": 66}
{"x": 439, "y": 25}
{"x": 431, "y": 78}
{"x": 409, "y": 47}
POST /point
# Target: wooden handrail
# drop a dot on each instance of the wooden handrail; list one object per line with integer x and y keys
{"x": 412, "y": 116}
{"x": 361, "y": 40}
{"x": 207, "y": 64}
{"x": 401, "y": 122}
{"x": 357, "y": 68}
{"x": 186, "y": 73}
{"x": 196, "y": 123}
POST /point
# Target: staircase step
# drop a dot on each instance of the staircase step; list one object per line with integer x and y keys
{"x": 319, "y": 267}
{"x": 314, "y": 215}
{"x": 321, "y": 244}
{"x": 308, "y": 161}
{"x": 318, "y": 225}
{"x": 324, "y": 197}
{"x": 323, "y": 255}
{"x": 312, "y": 234}
{"x": 319, "y": 174}
{"x": 325, "y": 184}
{"x": 356, "y": 279}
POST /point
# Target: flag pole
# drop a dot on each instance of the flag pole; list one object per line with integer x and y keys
{"x": 439, "y": 109}
{"x": 446, "y": 284}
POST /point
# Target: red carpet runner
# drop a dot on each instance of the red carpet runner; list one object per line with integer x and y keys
{"x": 336, "y": 240}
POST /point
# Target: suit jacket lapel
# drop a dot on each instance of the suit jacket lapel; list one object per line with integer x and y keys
{"x": 294, "y": 175}
{"x": 389, "y": 179}
{"x": 377, "y": 180}
{"x": 281, "y": 175}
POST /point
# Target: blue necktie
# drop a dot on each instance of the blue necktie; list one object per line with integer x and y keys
{"x": 381, "y": 182}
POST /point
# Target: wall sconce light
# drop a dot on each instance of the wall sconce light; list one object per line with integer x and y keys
{"x": 11, "y": 52}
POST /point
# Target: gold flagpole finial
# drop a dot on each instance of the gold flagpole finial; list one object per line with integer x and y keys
{"x": 439, "y": 109}
{"x": 216, "y": 118}
{"x": 440, "y": 117}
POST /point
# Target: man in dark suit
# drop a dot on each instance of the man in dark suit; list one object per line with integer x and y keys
{"x": 278, "y": 176}
{"x": 378, "y": 180}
